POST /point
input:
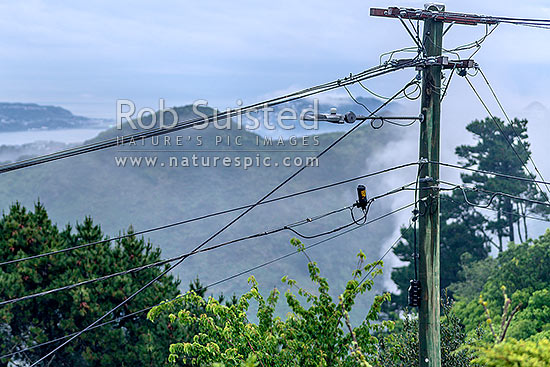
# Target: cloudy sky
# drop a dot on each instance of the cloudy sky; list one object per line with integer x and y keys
{"x": 85, "y": 55}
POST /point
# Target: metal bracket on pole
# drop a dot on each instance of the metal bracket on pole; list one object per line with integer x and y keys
{"x": 440, "y": 16}
{"x": 445, "y": 63}
{"x": 442, "y": 61}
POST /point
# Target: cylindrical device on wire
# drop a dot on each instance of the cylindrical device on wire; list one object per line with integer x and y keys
{"x": 362, "y": 197}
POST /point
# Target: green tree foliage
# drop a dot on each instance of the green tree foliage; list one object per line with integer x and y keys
{"x": 465, "y": 230}
{"x": 516, "y": 353}
{"x": 492, "y": 152}
{"x": 503, "y": 351}
{"x": 524, "y": 271}
{"x": 535, "y": 318}
{"x": 400, "y": 347}
{"x": 131, "y": 341}
{"x": 474, "y": 275}
{"x": 311, "y": 335}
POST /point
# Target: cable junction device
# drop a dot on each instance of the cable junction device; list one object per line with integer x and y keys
{"x": 362, "y": 199}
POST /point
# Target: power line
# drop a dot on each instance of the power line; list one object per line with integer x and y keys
{"x": 281, "y": 198}
{"x": 266, "y": 196}
{"x": 381, "y": 119}
{"x": 476, "y": 43}
{"x": 186, "y": 221}
{"x": 405, "y": 94}
{"x": 458, "y": 18}
{"x": 503, "y": 134}
{"x": 513, "y": 128}
{"x": 446, "y": 197}
{"x": 289, "y": 227}
{"x": 384, "y": 255}
{"x": 497, "y": 174}
{"x": 493, "y": 194}
{"x": 117, "y": 319}
{"x": 351, "y": 79}
{"x": 447, "y": 84}
{"x": 170, "y": 260}
{"x": 399, "y": 238}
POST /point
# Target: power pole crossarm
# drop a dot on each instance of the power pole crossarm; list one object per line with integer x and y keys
{"x": 436, "y": 13}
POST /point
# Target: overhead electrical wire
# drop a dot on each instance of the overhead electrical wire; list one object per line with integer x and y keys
{"x": 393, "y": 52}
{"x": 470, "y": 19}
{"x": 149, "y": 230}
{"x": 541, "y": 219}
{"x": 455, "y": 51}
{"x": 170, "y": 260}
{"x": 540, "y": 23}
{"x": 43, "y": 159}
{"x": 414, "y": 37}
{"x": 493, "y": 194}
{"x": 513, "y": 128}
{"x": 408, "y": 95}
{"x": 205, "y": 216}
{"x": 399, "y": 238}
{"x": 394, "y": 243}
{"x": 497, "y": 174}
{"x": 266, "y": 196}
{"x": 447, "y": 84}
{"x": 463, "y": 188}
{"x": 118, "y": 319}
{"x": 289, "y": 227}
{"x": 382, "y": 120}
{"x": 108, "y": 143}
{"x": 477, "y": 43}
{"x": 504, "y": 135}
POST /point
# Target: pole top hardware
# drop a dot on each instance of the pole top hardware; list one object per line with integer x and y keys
{"x": 350, "y": 117}
{"x": 435, "y": 12}
{"x": 439, "y": 7}
{"x": 445, "y": 63}
{"x": 333, "y": 117}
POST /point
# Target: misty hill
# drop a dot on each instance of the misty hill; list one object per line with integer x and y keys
{"x": 31, "y": 116}
{"x": 117, "y": 196}
{"x": 11, "y": 153}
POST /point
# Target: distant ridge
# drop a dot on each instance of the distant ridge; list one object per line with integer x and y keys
{"x": 32, "y": 116}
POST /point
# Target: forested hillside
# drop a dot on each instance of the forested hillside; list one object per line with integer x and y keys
{"x": 117, "y": 197}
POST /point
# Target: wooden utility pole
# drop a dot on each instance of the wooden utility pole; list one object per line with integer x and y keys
{"x": 428, "y": 221}
{"x": 433, "y": 16}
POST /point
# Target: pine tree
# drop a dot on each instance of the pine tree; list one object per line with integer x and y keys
{"x": 492, "y": 152}
{"x": 465, "y": 229}
{"x": 130, "y": 341}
